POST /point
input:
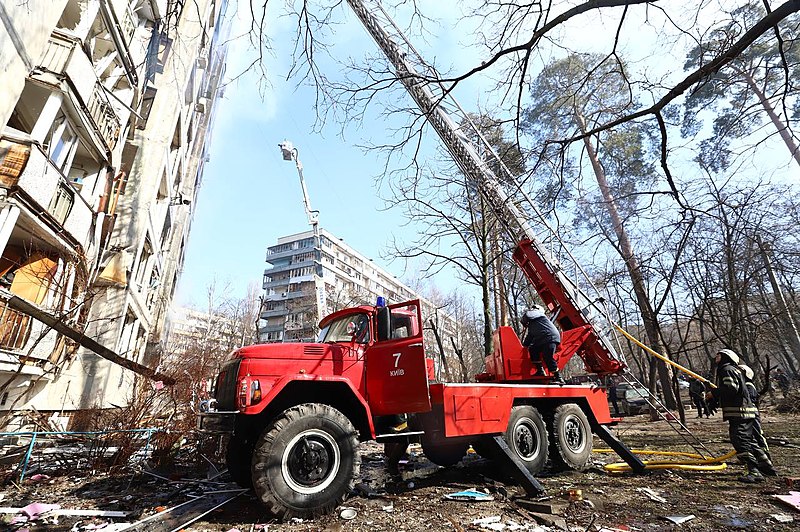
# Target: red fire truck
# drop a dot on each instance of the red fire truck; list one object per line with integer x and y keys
{"x": 297, "y": 411}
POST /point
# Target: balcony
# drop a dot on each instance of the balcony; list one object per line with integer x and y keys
{"x": 46, "y": 185}
{"x": 273, "y": 313}
{"x": 273, "y": 256}
{"x": 290, "y": 267}
{"x": 63, "y": 56}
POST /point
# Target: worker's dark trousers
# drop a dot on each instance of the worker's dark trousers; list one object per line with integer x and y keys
{"x": 543, "y": 354}
{"x": 700, "y": 404}
{"x": 760, "y": 438}
{"x": 744, "y": 441}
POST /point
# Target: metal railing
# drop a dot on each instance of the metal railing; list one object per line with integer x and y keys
{"x": 105, "y": 119}
{"x": 58, "y": 52}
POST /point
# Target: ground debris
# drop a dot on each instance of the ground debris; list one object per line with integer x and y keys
{"x": 417, "y": 496}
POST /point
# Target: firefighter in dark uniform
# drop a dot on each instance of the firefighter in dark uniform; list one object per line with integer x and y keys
{"x": 541, "y": 339}
{"x": 747, "y": 371}
{"x": 740, "y": 413}
{"x": 697, "y": 393}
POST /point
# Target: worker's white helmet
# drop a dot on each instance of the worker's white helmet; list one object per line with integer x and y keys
{"x": 732, "y": 356}
{"x": 747, "y": 370}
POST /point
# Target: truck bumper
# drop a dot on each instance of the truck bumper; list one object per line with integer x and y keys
{"x": 216, "y": 422}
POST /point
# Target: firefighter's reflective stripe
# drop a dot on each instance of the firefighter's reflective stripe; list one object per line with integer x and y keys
{"x": 730, "y": 381}
{"x": 745, "y": 412}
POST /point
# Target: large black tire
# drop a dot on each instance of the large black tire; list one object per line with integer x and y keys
{"x": 238, "y": 458}
{"x": 445, "y": 454}
{"x": 571, "y": 438}
{"x": 306, "y": 461}
{"x": 527, "y": 438}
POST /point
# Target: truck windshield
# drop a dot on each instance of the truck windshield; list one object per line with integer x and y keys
{"x": 346, "y": 329}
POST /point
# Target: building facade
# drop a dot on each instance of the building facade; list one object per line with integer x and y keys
{"x": 311, "y": 277}
{"x": 106, "y": 109}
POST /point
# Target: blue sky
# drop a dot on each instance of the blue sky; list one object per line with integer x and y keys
{"x": 250, "y": 196}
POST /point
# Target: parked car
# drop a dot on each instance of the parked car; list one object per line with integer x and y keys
{"x": 623, "y": 387}
{"x": 634, "y": 401}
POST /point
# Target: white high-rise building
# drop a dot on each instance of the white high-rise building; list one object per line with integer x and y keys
{"x": 310, "y": 278}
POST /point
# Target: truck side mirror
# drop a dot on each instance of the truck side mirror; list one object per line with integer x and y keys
{"x": 384, "y": 324}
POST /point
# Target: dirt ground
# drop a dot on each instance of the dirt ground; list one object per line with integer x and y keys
{"x": 715, "y": 499}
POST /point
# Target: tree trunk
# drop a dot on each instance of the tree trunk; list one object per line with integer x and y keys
{"x": 791, "y": 327}
{"x": 783, "y": 129}
{"x": 649, "y": 319}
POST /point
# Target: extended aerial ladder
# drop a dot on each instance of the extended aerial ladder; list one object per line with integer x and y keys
{"x": 575, "y": 304}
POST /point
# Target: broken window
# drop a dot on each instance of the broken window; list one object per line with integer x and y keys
{"x": 29, "y": 106}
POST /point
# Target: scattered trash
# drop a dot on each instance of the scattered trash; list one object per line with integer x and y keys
{"x": 793, "y": 499}
{"x": 490, "y": 523}
{"x": 782, "y": 518}
{"x": 575, "y": 495}
{"x": 348, "y": 513}
{"x": 487, "y": 520}
{"x": 388, "y": 509}
{"x": 469, "y": 495}
{"x": 792, "y": 482}
{"x": 652, "y": 494}
{"x": 39, "y": 477}
{"x": 679, "y": 519}
{"x": 35, "y": 510}
{"x": 184, "y": 514}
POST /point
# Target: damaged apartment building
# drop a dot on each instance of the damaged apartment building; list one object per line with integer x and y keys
{"x": 106, "y": 108}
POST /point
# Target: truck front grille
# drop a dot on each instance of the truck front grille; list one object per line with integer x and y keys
{"x": 226, "y": 385}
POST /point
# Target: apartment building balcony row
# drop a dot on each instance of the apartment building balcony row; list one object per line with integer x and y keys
{"x": 277, "y": 256}
{"x": 287, "y": 295}
{"x": 286, "y": 281}
{"x": 273, "y": 313}
{"x": 294, "y": 265}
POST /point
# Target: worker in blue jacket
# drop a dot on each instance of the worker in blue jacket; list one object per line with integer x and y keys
{"x": 542, "y": 339}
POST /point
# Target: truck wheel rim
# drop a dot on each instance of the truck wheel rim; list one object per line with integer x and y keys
{"x": 526, "y": 440}
{"x": 310, "y": 461}
{"x": 574, "y": 434}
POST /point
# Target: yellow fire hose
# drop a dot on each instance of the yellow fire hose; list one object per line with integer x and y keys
{"x": 662, "y": 357}
{"x": 697, "y": 462}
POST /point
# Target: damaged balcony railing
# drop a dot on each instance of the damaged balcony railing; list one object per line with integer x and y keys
{"x": 15, "y": 328}
{"x": 105, "y": 118}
